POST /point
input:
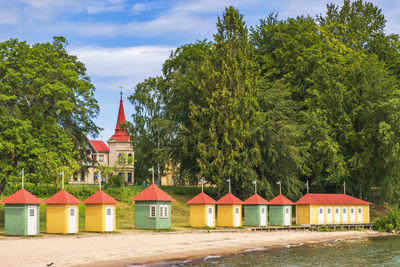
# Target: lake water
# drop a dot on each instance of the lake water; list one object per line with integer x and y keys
{"x": 377, "y": 251}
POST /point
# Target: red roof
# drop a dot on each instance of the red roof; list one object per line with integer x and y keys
{"x": 201, "y": 198}
{"x": 99, "y": 146}
{"x": 22, "y": 197}
{"x": 152, "y": 193}
{"x": 119, "y": 134}
{"x": 100, "y": 198}
{"x": 255, "y": 199}
{"x": 62, "y": 197}
{"x": 229, "y": 199}
{"x": 280, "y": 200}
{"x": 341, "y": 199}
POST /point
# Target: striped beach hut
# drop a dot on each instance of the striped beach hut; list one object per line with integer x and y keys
{"x": 22, "y": 214}
{"x": 62, "y": 215}
{"x": 255, "y": 211}
{"x": 152, "y": 208}
{"x": 202, "y": 211}
{"x": 100, "y": 213}
{"x": 280, "y": 211}
{"x": 229, "y": 211}
{"x": 331, "y": 209}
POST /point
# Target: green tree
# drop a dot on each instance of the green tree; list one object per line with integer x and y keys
{"x": 181, "y": 72}
{"x": 224, "y": 126}
{"x": 151, "y": 130}
{"x": 45, "y": 90}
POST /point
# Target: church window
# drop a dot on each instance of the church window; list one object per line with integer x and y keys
{"x": 82, "y": 176}
{"x": 129, "y": 177}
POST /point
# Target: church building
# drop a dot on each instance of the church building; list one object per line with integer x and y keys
{"x": 118, "y": 153}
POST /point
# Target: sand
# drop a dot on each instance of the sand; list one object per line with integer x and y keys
{"x": 122, "y": 249}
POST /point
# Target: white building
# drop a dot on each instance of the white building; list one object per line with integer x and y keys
{"x": 113, "y": 154}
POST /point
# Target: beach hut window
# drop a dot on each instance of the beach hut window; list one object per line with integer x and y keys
{"x": 163, "y": 211}
{"x": 352, "y": 210}
{"x": 344, "y": 210}
{"x": 152, "y": 211}
{"x": 31, "y": 212}
{"x": 237, "y": 210}
{"x": 321, "y": 210}
{"x": 287, "y": 210}
{"x": 72, "y": 212}
{"x": 210, "y": 210}
{"x": 108, "y": 212}
{"x": 328, "y": 211}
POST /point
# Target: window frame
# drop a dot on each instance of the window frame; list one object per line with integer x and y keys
{"x": 155, "y": 211}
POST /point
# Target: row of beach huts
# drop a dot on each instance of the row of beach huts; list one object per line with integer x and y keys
{"x": 153, "y": 211}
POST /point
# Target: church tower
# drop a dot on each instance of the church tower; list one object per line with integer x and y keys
{"x": 121, "y": 150}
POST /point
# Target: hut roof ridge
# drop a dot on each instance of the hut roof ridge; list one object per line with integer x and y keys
{"x": 255, "y": 199}
{"x": 312, "y": 198}
{"x": 62, "y": 197}
{"x": 152, "y": 193}
{"x": 280, "y": 200}
{"x": 202, "y": 198}
{"x": 229, "y": 199}
{"x": 22, "y": 196}
{"x": 100, "y": 197}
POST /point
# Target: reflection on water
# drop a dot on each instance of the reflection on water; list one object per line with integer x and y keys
{"x": 378, "y": 251}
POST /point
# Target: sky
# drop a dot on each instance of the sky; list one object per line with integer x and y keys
{"x": 124, "y": 42}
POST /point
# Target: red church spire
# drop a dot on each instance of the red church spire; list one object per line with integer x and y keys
{"x": 120, "y": 134}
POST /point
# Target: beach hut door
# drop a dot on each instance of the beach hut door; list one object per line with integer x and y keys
{"x": 237, "y": 216}
{"x": 337, "y": 215}
{"x": 109, "y": 218}
{"x": 210, "y": 216}
{"x": 32, "y": 220}
{"x": 263, "y": 216}
{"x": 352, "y": 215}
{"x": 321, "y": 215}
{"x": 359, "y": 215}
{"x": 72, "y": 220}
{"x": 287, "y": 215}
{"x": 329, "y": 215}
{"x": 344, "y": 215}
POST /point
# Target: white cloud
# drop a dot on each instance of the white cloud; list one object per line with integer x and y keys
{"x": 123, "y": 61}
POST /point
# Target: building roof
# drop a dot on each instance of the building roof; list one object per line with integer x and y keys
{"x": 62, "y": 197}
{"x": 331, "y": 199}
{"x": 201, "y": 198}
{"x": 280, "y": 200}
{"x": 255, "y": 199}
{"x": 120, "y": 134}
{"x": 100, "y": 198}
{"x": 22, "y": 197}
{"x": 99, "y": 146}
{"x": 152, "y": 193}
{"x": 229, "y": 199}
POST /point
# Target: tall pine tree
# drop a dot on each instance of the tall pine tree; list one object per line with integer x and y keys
{"x": 225, "y": 124}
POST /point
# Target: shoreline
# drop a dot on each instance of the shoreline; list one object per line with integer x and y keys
{"x": 129, "y": 248}
{"x": 198, "y": 255}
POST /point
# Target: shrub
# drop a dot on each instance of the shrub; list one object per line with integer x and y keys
{"x": 388, "y": 222}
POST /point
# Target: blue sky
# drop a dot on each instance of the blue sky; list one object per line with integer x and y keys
{"x": 124, "y": 42}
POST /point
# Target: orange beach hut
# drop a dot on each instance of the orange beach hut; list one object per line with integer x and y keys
{"x": 62, "y": 213}
{"x": 202, "y": 211}
{"x": 100, "y": 213}
{"x": 229, "y": 211}
{"x": 331, "y": 209}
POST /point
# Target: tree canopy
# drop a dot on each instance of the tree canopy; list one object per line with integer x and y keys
{"x": 46, "y": 112}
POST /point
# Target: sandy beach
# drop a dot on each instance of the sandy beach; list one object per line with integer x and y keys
{"x": 121, "y": 249}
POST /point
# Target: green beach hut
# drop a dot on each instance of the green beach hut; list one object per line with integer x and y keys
{"x": 280, "y": 211}
{"x": 152, "y": 209}
{"x": 22, "y": 214}
{"x": 255, "y": 211}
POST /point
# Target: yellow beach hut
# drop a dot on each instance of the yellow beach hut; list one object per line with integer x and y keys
{"x": 331, "y": 209}
{"x": 229, "y": 211}
{"x": 202, "y": 211}
{"x": 100, "y": 213}
{"x": 62, "y": 215}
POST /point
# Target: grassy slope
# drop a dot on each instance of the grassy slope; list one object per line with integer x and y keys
{"x": 125, "y": 209}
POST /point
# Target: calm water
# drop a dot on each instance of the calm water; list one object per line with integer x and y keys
{"x": 378, "y": 251}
